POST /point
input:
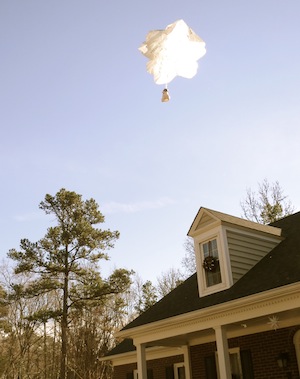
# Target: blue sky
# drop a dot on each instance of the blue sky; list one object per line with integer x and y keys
{"x": 79, "y": 111}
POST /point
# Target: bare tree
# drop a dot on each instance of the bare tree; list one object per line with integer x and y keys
{"x": 266, "y": 205}
{"x": 189, "y": 259}
{"x": 21, "y": 342}
{"x": 168, "y": 280}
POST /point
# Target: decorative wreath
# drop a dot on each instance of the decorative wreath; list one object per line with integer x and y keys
{"x": 210, "y": 263}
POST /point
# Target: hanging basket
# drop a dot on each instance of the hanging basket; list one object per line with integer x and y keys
{"x": 210, "y": 264}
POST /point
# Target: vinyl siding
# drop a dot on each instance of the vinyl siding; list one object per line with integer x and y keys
{"x": 245, "y": 251}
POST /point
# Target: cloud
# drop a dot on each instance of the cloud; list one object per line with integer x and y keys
{"x": 28, "y": 216}
{"x": 114, "y": 207}
{"x": 111, "y": 207}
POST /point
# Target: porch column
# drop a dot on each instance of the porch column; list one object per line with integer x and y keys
{"x": 187, "y": 362}
{"x": 223, "y": 354}
{"x": 141, "y": 360}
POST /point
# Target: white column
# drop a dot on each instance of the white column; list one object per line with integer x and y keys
{"x": 141, "y": 361}
{"x": 223, "y": 353}
{"x": 187, "y": 362}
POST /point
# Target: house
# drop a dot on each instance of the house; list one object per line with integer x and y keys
{"x": 238, "y": 316}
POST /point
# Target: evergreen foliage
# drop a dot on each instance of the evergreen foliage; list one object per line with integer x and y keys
{"x": 65, "y": 262}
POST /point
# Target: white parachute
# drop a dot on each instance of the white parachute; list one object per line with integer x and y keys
{"x": 172, "y": 52}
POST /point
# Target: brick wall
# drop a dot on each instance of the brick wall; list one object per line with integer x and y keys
{"x": 198, "y": 354}
{"x": 265, "y": 349}
{"x": 159, "y": 365}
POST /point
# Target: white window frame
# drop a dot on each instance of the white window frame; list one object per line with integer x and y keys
{"x": 233, "y": 351}
{"x": 219, "y": 234}
{"x": 135, "y": 374}
{"x": 176, "y": 367}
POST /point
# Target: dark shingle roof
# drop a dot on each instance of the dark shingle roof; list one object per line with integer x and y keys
{"x": 123, "y": 347}
{"x": 278, "y": 268}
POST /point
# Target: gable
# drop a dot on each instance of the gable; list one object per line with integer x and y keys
{"x": 206, "y": 221}
{"x": 203, "y": 220}
{"x": 238, "y": 245}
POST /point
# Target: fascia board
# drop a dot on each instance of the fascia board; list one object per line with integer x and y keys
{"x": 226, "y": 219}
{"x": 152, "y": 353}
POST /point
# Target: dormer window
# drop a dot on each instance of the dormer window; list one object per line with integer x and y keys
{"x": 227, "y": 247}
{"x": 211, "y": 263}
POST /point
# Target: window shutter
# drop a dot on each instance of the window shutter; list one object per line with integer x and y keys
{"x": 247, "y": 366}
{"x": 129, "y": 375}
{"x": 210, "y": 367}
{"x": 169, "y": 372}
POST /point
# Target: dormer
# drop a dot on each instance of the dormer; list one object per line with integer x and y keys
{"x": 227, "y": 247}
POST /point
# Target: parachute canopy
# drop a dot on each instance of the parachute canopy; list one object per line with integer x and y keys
{"x": 173, "y": 52}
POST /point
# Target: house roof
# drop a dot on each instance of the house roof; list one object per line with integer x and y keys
{"x": 278, "y": 268}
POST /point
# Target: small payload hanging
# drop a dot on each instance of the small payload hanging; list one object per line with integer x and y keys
{"x": 172, "y": 52}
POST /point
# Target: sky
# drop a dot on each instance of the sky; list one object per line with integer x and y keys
{"x": 78, "y": 110}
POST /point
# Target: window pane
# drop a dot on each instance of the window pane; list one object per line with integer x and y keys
{"x": 235, "y": 366}
{"x": 213, "y": 275}
{"x": 181, "y": 372}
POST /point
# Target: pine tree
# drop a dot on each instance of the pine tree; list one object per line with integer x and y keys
{"x": 65, "y": 260}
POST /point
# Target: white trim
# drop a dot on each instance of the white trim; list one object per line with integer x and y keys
{"x": 219, "y": 234}
{"x": 175, "y": 367}
{"x": 155, "y": 352}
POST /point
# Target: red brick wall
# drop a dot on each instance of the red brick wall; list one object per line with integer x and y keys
{"x": 265, "y": 348}
{"x": 198, "y": 354}
{"x": 159, "y": 365}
